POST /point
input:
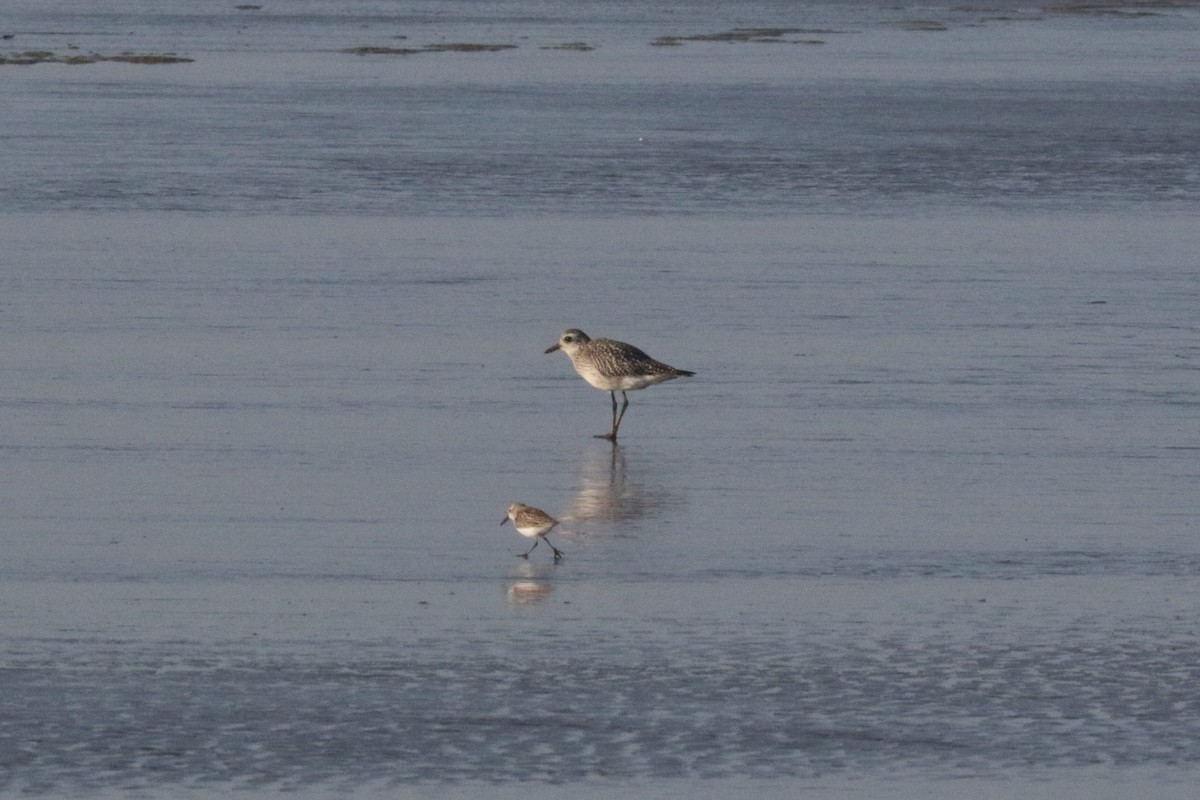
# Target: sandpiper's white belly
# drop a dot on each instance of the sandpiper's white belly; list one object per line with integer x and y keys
{"x": 535, "y": 530}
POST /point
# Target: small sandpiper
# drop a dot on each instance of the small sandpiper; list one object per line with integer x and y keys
{"x": 612, "y": 366}
{"x": 532, "y": 523}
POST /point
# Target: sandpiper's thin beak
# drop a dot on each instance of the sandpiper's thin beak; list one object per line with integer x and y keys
{"x": 553, "y": 347}
{"x": 504, "y": 520}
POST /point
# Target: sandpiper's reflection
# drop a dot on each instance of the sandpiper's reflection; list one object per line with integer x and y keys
{"x": 611, "y": 491}
{"x": 531, "y": 583}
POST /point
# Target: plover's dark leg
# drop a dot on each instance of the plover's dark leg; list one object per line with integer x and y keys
{"x": 617, "y": 420}
{"x": 612, "y": 437}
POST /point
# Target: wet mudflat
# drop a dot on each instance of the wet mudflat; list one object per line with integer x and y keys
{"x": 924, "y": 519}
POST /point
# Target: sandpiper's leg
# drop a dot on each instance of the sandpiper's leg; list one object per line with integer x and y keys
{"x": 557, "y": 553}
{"x": 530, "y": 550}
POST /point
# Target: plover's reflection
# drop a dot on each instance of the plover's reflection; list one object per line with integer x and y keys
{"x": 610, "y": 490}
{"x": 531, "y": 584}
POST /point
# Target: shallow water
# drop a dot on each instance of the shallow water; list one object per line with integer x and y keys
{"x": 274, "y": 324}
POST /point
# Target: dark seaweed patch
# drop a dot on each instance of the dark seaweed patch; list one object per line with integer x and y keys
{"x": 923, "y": 25}
{"x": 446, "y": 47}
{"x": 382, "y": 51}
{"x": 1119, "y": 8}
{"x": 468, "y": 47}
{"x": 48, "y": 57}
{"x": 580, "y": 47}
{"x": 753, "y": 35}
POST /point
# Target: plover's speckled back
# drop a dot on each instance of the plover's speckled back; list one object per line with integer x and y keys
{"x": 532, "y": 523}
{"x": 613, "y": 366}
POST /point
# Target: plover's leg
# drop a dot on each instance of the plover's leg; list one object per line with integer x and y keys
{"x": 617, "y": 421}
{"x": 612, "y": 437}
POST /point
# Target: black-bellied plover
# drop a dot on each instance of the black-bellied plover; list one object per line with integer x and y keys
{"x": 532, "y": 523}
{"x": 613, "y": 366}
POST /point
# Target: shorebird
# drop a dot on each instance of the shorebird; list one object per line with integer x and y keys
{"x": 532, "y": 523}
{"x": 611, "y": 366}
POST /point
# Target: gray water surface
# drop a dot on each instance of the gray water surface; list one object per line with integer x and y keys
{"x": 274, "y": 323}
